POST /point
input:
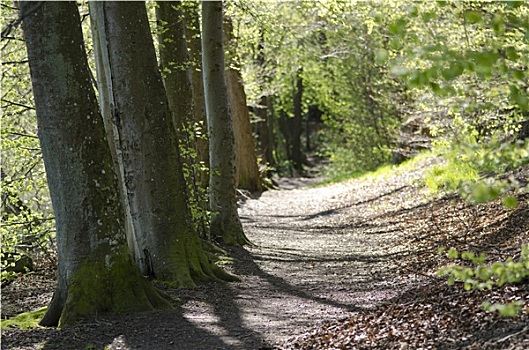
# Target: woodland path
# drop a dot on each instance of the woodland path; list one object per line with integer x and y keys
{"x": 321, "y": 254}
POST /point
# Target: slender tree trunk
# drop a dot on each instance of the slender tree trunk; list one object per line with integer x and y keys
{"x": 246, "y": 167}
{"x": 156, "y": 189}
{"x": 295, "y": 125}
{"x": 173, "y": 64}
{"x": 291, "y": 127}
{"x": 225, "y": 223}
{"x": 264, "y": 132}
{"x": 264, "y": 125}
{"x": 95, "y": 272}
{"x": 194, "y": 45}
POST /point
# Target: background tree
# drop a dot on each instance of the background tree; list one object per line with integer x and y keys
{"x": 225, "y": 223}
{"x": 169, "y": 249}
{"x": 95, "y": 272}
{"x": 194, "y": 45}
{"x": 246, "y": 168}
{"x": 176, "y": 71}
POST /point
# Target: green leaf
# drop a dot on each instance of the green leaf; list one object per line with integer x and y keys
{"x": 381, "y": 56}
{"x": 473, "y": 16}
{"x": 453, "y": 253}
{"x": 428, "y": 16}
{"x": 395, "y": 43}
{"x": 514, "y": 4}
{"x": 437, "y": 89}
{"x": 518, "y": 74}
{"x": 510, "y": 202}
{"x": 520, "y": 98}
{"x": 497, "y": 24}
{"x": 398, "y": 27}
{"x": 512, "y": 54}
{"x": 452, "y": 72}
{"x": 484, "y": 62}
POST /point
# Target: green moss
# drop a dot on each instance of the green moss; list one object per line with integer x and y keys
{"x": 97, "y": 289}
{"x": 25, "y": 320}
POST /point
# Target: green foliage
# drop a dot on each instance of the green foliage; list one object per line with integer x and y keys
{"x": 192, "y": 168}
{"x": 341, "y": 49}
{"x": 27, "y": 218}
{"x": 472, "y": 169}
{"x": 482, "y": 276}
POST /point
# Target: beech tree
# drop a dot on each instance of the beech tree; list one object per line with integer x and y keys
{"x": 246, "y": 167}
{"x": 225, "y": 223}
{"x": 95, "y": 272}
{"x": 194, "y": 49}
{"x": 173, "y": 63}
{"x": 165, "y": 243}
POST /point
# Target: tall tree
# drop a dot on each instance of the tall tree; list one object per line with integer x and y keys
{"x": 246, "y": 167}
{"x": 291, "y": 126}
{"x": 194, "y": 46}
{"x": 174, "y": 63}
{"x": 168, "y": 247}
{"x": 264, "y": 126}
{"x": 225, "y": 223}
{"x": 95, "y": 272}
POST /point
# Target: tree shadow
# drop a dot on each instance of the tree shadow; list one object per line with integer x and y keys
{"x": 245, "y": 264}
{"x": 145, "y": 330}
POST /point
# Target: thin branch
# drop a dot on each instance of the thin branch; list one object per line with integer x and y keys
{"x": 11, "y": 103}
{"x": 15, "y": 62}
{"x": 23, "y": 135}
{"x": 15, "y": 23}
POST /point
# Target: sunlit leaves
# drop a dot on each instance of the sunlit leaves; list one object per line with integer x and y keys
{"x": 481, "y": 276}
{"x": 472, "y": 16}
{"x": 519, "y": 97}
{"x": 398, "y": 27}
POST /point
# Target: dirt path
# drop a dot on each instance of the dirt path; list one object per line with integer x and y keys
{"x": 321, "y": 254}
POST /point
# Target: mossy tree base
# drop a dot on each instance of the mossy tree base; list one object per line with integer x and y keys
{"x": 188, "y": 264}
{"x": 227, "y": 229}
{"x": 99, "y": 288}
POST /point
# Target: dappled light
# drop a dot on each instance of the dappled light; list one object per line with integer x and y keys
{"x": 264, "y": 175}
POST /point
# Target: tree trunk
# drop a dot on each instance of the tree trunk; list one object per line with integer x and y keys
{"x": 291, "y": 127}
{"x": 194, "y": 45}
{"x": 105, "y": 103}
{"x": 225, "y": 223}
{"x": 246, "y": 167}
{"x": 156, "y": 189}
{"x": 264, "y": 125}
{"x": 95, "y": 272}
{"x": 295, "y": 125}
{"x": 173, "y": 64}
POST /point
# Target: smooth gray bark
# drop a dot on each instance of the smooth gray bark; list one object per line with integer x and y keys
{"x": 225, "y": 223}
{"x": 156, "y": 189}
{"x": 95, "y": 273}
{"x": 106, "y": 102}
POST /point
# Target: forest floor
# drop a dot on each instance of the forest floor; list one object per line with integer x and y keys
{"x": 350, "y": 265}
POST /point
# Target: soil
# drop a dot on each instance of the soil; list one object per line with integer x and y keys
{"x": 342, "y": 266}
